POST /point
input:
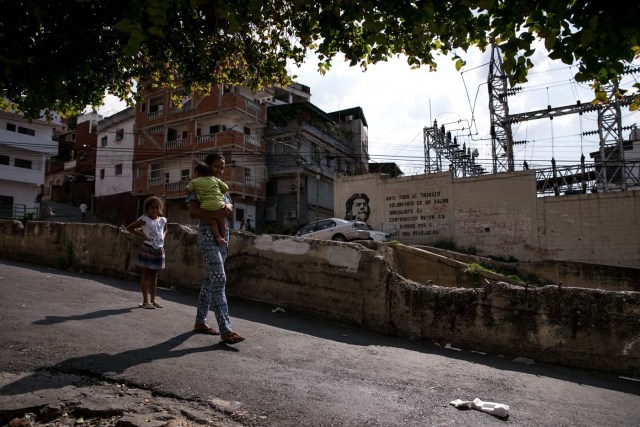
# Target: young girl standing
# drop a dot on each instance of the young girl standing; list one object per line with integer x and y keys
{"x": 152, "y": 227}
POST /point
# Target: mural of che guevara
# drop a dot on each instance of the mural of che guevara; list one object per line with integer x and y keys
{"x": 358, "y": 207}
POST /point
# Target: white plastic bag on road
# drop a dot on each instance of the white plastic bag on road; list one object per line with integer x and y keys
{"x": 497, "y": 409}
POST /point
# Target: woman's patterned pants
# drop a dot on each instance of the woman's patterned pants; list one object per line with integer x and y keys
{"x": 212, "y": 293}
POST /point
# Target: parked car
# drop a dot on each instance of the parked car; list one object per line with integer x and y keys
{"x": 380, "y": 236}
{"x": 335, "y": 229}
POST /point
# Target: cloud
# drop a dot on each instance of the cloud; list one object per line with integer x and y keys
{"x": 399, "y": 102}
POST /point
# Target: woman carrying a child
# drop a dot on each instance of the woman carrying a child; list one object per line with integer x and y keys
{"x": 212, "y": 293}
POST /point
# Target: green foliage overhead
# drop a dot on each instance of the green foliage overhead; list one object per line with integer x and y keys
{"x": 63, "y": 55}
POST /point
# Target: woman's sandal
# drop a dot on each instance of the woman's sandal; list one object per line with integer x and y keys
{"x": 203, "y": 328}
{"x": 157, "y": 305}
{"x": 146, "y": 305}
{"x": 231, "y": 338}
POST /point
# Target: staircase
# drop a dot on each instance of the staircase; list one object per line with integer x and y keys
{"x": 64, "y": 212}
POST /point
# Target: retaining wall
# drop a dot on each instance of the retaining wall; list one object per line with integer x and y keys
{"x": 358, "y": 284}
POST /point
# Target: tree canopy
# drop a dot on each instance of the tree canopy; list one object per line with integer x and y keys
{"x": 64, "y": 55}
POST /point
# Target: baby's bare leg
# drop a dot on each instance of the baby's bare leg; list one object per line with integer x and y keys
{"x": 222, "y": 226}
{"x": 217, "y": 225}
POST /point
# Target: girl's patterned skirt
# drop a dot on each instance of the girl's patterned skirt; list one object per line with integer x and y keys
{"x": 150, "y": 257}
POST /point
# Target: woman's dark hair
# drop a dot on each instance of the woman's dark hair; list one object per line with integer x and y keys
{"x": 203, "y": 170}
{"x": 212, "y": 158}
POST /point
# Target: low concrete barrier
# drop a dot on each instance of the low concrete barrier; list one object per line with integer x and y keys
{"x": 358, "y": 284}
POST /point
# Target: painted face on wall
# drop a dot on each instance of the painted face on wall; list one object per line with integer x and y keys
{"x": 358, "y": 208}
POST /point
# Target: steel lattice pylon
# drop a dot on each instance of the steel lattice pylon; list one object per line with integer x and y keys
{"x": 501, "y": 136}
{"x": 438, "y": 144}
{"x": 611, "y": 142}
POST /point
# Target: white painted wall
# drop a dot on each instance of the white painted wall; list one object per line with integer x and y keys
{"x": 114, "y": 153}
{"x": 22, "y": 183}
{"x": 500, "y": 215}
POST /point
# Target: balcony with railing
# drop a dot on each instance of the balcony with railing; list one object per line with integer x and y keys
{"x": 175, "y": 143}
{"x": 238, "y": 186}
{"x": 178, "y": 185}
{"x": 249, "y": 187}
{"x": 252, "y": 140}
{"x": 183, "y": 109}
{"x": 155, "y": 182}
{"x": 234, "y": 101}
{"x": 229, "y": 140}
{"x": 203, "y": 139}
{"x": 155, "y": 114}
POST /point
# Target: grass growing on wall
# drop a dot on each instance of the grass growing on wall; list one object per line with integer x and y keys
{"x": 450, "y": 245}
{"x": 65, "y": 260}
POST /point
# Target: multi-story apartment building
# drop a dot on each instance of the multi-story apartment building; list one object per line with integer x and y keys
{"x": 24, "y": 148}
{"x": 175, "y": 132}
{"x": 70, "y": 173}
{"x": 353, "y": 125}
{"x": 306, "y": 147}
{"x": 114, "y": 168}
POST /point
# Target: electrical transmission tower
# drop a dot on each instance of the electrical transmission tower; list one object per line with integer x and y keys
{"x": 610, "y": 171}
{"x": 611, "y": 165}
{"x": 611, "y": 156}
{"x": 438, "y": 145}
{"x": 501, "y": 136}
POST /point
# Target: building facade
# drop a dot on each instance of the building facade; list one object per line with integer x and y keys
{"x": 114, "y": 201}
{"x": 174, "y": 132}
{"x": 70, "y": 173}
{"x": 24, "y": 148}
{"x": 306, "y": 148}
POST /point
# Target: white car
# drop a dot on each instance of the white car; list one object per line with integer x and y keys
{"x": 335, "y": 229}
{"x": 378, "y": 235}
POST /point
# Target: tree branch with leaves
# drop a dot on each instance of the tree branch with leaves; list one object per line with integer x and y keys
{"x": 63, "y": 56}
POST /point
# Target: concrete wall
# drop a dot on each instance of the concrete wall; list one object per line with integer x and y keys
{"x": 358, "y": 284}
{"x": 600, "y": 228}
{"x": 501, "y": 215}
{"x": 549, "y": 272}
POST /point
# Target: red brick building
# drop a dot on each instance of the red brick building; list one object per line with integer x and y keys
{"x": 174, "y": 132}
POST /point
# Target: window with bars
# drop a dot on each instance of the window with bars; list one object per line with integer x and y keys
{"x": 155, "y": 170}
{"x": 22, "y": 163}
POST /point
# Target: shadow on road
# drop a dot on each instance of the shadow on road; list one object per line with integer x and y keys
{"x": 51, "y": 320}
{"x": 353, "y": 336}
{"x": 107, "y": 365}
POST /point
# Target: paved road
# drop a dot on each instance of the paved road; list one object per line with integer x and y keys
{"x": 291, "y": 370}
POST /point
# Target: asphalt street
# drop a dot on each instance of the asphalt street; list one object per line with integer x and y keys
{"x": 57, "y": 327}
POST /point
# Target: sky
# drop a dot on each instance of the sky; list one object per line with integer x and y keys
{"x": 399, "y": 102}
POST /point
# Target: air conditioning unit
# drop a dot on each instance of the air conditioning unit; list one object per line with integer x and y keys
{"x": 349, "y": 118}
{"x": 290, "y": 214}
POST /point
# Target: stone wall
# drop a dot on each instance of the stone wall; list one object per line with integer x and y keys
{"x": 548, "y": 272}
{"x": 358, "y": 284}
{"x": 500, "y": 215}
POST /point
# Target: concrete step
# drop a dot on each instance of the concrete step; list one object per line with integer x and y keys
{"x": 64, "y": 212}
